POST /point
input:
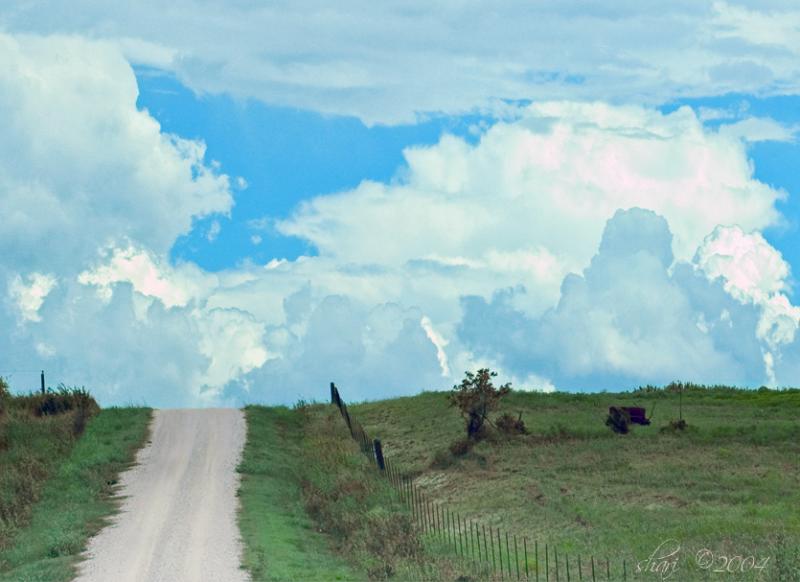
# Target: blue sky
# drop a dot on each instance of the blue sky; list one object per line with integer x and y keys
{"x": 235, "y": 202}
{"x": 288, "y": 155}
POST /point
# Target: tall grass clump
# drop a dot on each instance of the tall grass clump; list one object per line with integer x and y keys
{"x": 37, "y": 431}
{"x": 315, "y": 508}
{"x": 348, "y": 499}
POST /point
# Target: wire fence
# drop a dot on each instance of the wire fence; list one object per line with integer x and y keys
{"x": 490, "y": 550}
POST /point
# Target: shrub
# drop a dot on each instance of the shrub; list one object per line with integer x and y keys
{"x": 509, "y": 425}
{"x": 443, "y": 460}
{"x": 461, "y": 447}
{"x": 476, "y": 396}
{"x": 675, "y": 426}
{"x": 60, "y": 401}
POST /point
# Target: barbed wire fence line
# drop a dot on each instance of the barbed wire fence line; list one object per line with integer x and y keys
{"x": 491, "y": 550}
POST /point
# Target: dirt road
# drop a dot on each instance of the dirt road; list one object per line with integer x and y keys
{"x": 178, "y": 518}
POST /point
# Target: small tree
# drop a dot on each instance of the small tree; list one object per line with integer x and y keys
{"x": 476, "y": 396}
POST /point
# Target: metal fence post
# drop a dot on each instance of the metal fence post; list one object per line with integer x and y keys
{"x": 525, "y": 549}
{"x": 555, "y": 557}
{"x": 491, "y": 535}
{"x": 546, "y": 562}
{"x": 508, "y": 557}
{"x": 500, "y": 552}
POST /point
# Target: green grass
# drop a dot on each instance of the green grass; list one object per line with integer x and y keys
{"x": 313, "y": 507}
{"x": 280, "y": 540}
{"x": 731, "y": 483}
{"x": 55, "y": 487}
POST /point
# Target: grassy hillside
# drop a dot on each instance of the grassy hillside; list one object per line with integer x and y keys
{"x": 59, "y": 459}
{"x": 313, "y": 508}
{"x": 730, "y": 483}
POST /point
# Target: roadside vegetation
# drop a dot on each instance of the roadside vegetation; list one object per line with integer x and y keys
{"x": 313, "y": 507}
{"x": 547, "y": 467}
{"x": 60, "y": 456}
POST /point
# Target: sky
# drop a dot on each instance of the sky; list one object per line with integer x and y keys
{"x": 211, "y": 203}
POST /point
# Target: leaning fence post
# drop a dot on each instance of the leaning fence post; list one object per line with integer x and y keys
{"x": 379, "y": 454}
{"x": 347, "y": 420}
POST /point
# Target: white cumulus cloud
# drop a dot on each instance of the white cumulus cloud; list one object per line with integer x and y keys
{"x": 28, "y": 294}
{"x": 544, "y": 184}
{"x": 753, "y": 272}
{"x": 390, "y": 62}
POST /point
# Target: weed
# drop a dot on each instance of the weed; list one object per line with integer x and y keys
{"x": 461, "y": 447}
{"x": 443, "y": 459}
{"x": 674, "y": 426}
{"x": 509, "y": 425}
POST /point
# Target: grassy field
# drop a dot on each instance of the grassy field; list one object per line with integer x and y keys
{"x": 313, "y": 508}
{"x": 56, "y": 474}
{"x": 729, "y": 484}
{"x": 281, "y": 542}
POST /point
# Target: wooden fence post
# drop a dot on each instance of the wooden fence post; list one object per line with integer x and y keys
{"x": 379, "y": 454}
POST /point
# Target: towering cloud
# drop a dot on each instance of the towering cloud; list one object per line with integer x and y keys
{"x": 93, "y": 194}
{"x": 631, "y": 317}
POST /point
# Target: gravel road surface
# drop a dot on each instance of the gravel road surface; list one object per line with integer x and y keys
{"x": 178, "y": 516}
